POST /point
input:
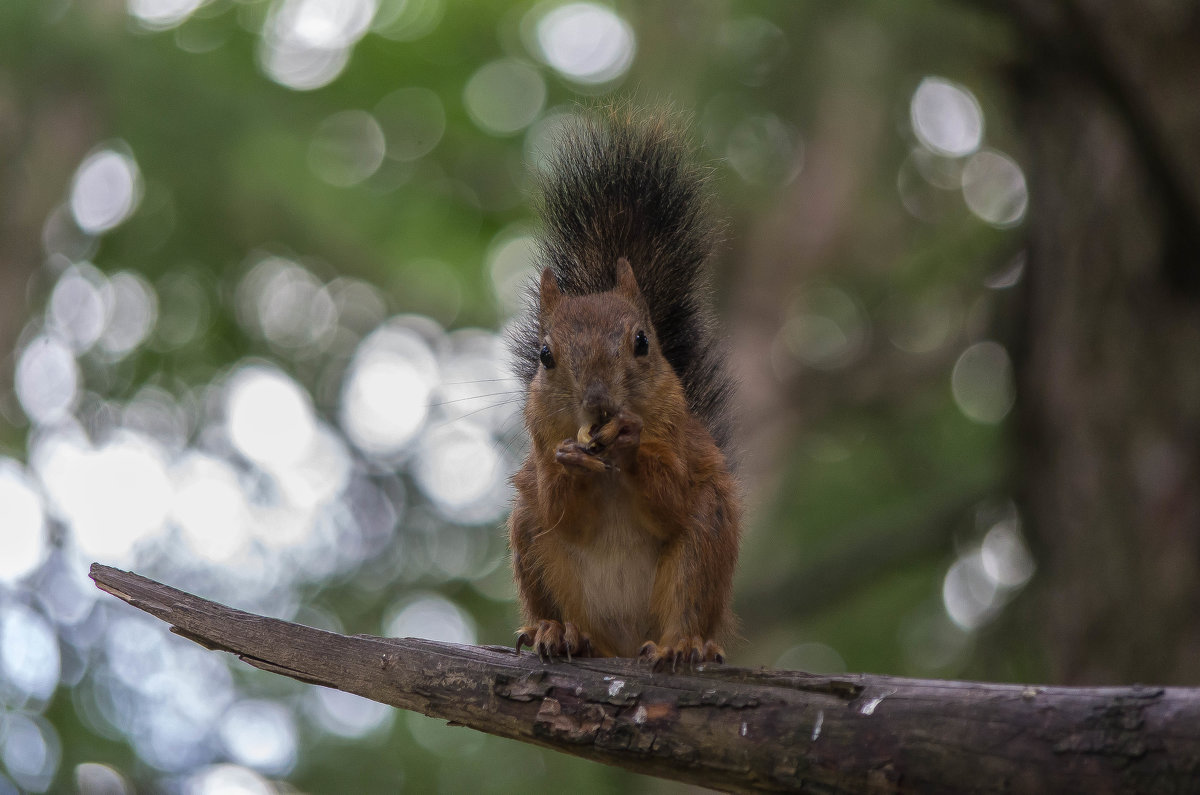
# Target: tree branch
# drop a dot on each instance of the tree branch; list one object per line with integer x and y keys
{"x": 734, "y": 728}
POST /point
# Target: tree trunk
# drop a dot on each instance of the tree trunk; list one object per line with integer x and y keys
{"x": 1109, "y": 367}
{"x": 734, "y": 728}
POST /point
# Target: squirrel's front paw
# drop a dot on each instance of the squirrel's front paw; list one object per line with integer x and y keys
{"x": 687, "y": 650}
{"x": 554, "y": 639}
{"x": 623, "y": 431}
{"x": 618, "y": 440}
{"x": 629, "y": 437}
{"x": 572, "y": 455}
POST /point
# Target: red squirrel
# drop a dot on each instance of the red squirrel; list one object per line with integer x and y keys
{"x": 626, "y": 522}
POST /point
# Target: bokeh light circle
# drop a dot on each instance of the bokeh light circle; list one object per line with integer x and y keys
{"x": 47, "y": 380}
{"x": 587, "y": 43}
{"x": 505, "y": 96}
{"x": 385, "y": 396}
{"x": 22, "y": 523}
{"x": 946, "y": 117}
{"x": 982, "y": 382}
{"x": 105, "y": 191}
{"x": 270, "y": 416}
{"x": 347, "y": 148}
{"x": 994, "y": 188}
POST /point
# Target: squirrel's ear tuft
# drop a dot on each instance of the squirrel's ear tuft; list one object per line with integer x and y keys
{"x": 626, "y": 282}
{"x": 549, "y": 293}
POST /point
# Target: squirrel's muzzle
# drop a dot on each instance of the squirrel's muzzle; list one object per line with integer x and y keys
{"x": 597, "y": 404}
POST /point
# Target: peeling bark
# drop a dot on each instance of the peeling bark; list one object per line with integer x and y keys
{"x": 732, "y": 728}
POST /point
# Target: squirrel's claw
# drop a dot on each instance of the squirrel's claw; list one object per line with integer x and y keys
{"x": 550, "y": 639}
{"x": 689, "y": 650}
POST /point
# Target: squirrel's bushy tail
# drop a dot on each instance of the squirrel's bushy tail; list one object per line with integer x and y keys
{"x": 618, "y": 184}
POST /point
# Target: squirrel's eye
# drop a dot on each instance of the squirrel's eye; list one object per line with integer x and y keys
{"x": 547, "y": 357}
{"x": 641, "y": 345}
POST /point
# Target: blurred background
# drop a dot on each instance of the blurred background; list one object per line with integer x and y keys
{"x": 256, "y": 262}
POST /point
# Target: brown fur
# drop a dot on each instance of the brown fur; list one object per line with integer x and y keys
{"x": 630, "y": 548}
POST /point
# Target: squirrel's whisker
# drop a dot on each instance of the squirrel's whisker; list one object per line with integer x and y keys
{"x": 518, "y": 392}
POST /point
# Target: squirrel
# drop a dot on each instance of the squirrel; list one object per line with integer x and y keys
{"x": 626, "y": 521}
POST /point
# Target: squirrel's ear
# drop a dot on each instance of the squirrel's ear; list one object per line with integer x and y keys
{"x": 550, "y": 294}
{"x": 626, "y": 282}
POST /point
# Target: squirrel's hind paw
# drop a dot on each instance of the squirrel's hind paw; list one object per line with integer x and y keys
{"x": 688, "y": 651}
{"x": 554, "y": 639}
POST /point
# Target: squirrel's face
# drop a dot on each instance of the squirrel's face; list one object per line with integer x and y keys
{"x": 599, "y": 354}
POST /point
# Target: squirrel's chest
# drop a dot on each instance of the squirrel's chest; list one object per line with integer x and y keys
{"x": 614, "y": 574}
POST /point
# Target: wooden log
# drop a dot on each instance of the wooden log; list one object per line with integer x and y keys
{"x": 732, "y": 728}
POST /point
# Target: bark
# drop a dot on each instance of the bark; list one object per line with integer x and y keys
{"x": 734, "y": 728}
{"x": 1108, "y": 382}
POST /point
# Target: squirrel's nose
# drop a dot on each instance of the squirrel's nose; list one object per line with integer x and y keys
{"x": 596, "y": 402}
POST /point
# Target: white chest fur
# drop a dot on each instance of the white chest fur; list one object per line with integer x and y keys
{"x": 616, "y": 577}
